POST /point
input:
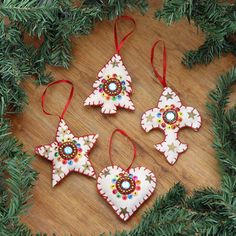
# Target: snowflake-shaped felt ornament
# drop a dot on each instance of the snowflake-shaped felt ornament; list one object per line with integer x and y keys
{"x": 112, "y": 88}
{"x": 170, "y": 116}
{"x": 67, "y": 153}
{"x": 125, "y": 190}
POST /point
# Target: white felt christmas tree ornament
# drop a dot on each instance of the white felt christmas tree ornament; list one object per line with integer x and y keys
{"x": 169, "y": 116}
{"x": 112, "y": 89}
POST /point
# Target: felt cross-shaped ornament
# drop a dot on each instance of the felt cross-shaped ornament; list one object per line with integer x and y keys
{"x": 67, "y": 152}
{"x": 112, "y": 88}
{"x": 169, "y": 116}
{"x": 125, "y": 189}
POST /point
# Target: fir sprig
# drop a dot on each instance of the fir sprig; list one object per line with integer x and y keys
{"x": 207, "y": 211}
{"x": 215, "y": 18}
{"x": 51, "y": 23}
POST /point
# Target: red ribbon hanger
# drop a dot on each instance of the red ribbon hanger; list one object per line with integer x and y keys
{"x": 67, "y": 103}
{"x": 161, "y": 78}
{"x": 120, "y": 45}
{"x": 110, "y": 145}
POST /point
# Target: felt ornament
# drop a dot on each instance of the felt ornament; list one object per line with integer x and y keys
{"x": 67, "y": 152}
{"x": 125, "y": 189}
{"x": 170, "y": 116}
{"x": 112, "y": 88}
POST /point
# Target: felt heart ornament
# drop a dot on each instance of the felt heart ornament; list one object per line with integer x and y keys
{"x": 125, "y": 190}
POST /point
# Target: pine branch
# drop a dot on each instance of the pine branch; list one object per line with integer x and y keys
{"x": 52, "y": 23}
{"x": 207, "y": 211}
{"x": 113, "y": 8}
{"x": 216, "y": 19}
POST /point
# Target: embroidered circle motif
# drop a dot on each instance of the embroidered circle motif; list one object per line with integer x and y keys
{"x": 125, "y": 185}
{"x": 112, "y": 87}
{"x": 170, "y": 116}
{"x": 68, "y": 150}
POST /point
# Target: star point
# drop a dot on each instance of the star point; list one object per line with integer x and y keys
{"x": 115, "y": 63}
{"x": 191, "y": 115}
{"x": 86, "y": 166}
{"x": 124, "y": 211}
{"x": 149, "y": 178}
{"x": 171, "y": 147}
{"x": 150, "y": 117}
{"x": 58, "y": 171}
{"x": 106, "y": 173}
{"x": 168, "y": 96}
{"x": 87, "y": 142}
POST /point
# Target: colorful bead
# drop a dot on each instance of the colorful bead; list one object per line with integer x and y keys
{"x": 67, "y": 150}
{"x": 170, "y": 116}
{"x": 112, "y": 86}
{"x": 125, "y": 186}
{"x": 70, "y": 162}
{"x": 64, "y": 162}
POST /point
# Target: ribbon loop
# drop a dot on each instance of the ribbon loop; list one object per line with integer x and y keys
{"x": 162, "y": 78}
{"x": 120, "y": 45}
{"x": 67, "y": 103}
{"x": 110, "y": 144}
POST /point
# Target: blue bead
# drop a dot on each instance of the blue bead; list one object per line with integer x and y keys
{"x": 125, "y": 185}
{"x": 78, "y": 145}
{"x": 68, "y": 150}
{"x": 70, "y": 162}
{"x": 130, "y": 196}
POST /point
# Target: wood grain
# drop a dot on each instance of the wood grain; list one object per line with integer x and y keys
{"x": 74, "y": 207}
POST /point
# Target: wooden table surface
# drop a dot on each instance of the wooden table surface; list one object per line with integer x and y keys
{"x": 74, "y": 207}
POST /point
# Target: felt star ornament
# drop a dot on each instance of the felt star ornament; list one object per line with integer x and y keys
{"x": 112, "y": 89}
{"x": 68, "y": 153}
{"x": 169, "y": 116}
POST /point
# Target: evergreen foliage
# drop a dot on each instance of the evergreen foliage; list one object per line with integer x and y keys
{"x": 207, "y": 211}
{"x": 217, "y": 19}
{"x": 52, "y": 23}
